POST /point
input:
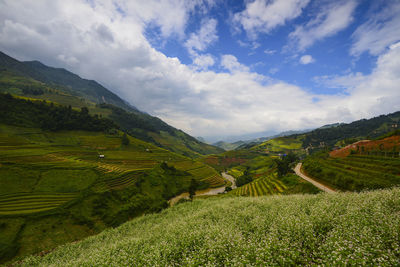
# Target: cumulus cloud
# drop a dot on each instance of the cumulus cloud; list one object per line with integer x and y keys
{"x": 231, "y": 63}
{"x": 331, "y": 19}
{"x": 306, "y": 59}
{"x": 262, "y": 16}
{"x": 373, "y": 94}
{"x": 98, "y": 41}
{"x": 204, "y": 61}
{"x": 378, "y": 32}
{"x": 200, "y": 40}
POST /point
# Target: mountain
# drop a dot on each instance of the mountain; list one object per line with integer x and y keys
{"x": 229, "y": 146}
{"x": 37, "y": 81}
{"x": 338, "y": 134}
{"x": 263, "y": 140}
{"x": 331, "y": 125}
{"x": 360, "y": 129}
{"x": 63, "y": 80}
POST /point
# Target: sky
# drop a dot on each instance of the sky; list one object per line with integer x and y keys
{"x": 222, "y": 69}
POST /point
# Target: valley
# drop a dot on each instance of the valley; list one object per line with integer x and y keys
{"x": 87, "y": 179}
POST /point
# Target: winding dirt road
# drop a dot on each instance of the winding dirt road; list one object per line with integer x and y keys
{"x": 205, "y": 192}
{"x": 324, "y": 188}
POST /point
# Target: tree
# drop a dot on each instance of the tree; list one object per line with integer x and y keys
{"x": 285, "y": 164}
{"x": 84, "y": 111}
{"x": 125, "y": 140}
{"x": 192, "y": 188}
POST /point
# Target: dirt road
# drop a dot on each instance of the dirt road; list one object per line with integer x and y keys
{"x": 229, "y": 178}
{"x": 205, "y": 192}
{"x": 308, "y": 179}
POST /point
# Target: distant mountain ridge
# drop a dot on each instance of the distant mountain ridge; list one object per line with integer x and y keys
{"x": 360, "y": 129}
{"x": 328, "y": 136}
{"x": 64, "y": 80}
{"x": 252, "y": 142}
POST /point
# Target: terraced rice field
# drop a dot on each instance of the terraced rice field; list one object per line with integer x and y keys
{"x": 25, "y": 203}
{"x": 355, "y": 172}
{"x": 267, "y": 185}
{"x": 201, "y": 172}
{"x": 116, "y": 183}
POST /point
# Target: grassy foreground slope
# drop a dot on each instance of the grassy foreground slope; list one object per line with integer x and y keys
{"x": 336, "y": 229}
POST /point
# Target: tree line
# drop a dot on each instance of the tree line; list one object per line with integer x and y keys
{"x": 40, "y": 114}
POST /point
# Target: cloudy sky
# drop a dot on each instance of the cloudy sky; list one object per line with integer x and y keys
{"x": 222, "y": 68}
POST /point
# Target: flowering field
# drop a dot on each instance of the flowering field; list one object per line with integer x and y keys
{"x": 335, "y": 229}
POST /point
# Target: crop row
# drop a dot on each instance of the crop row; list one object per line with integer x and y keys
{"x": 107, "y": 168}
{"x": 214, "y": 181}
{"x": 262, "y": 186}
{"x": 368, "y": 164}
{"x": 116, "y": 183}
{"x": 355, "y": 172}
{"x": 23, "y": 203}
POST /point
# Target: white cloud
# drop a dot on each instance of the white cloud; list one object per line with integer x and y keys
{"x": 269, "y": 51}
{"x": 306, "y": 59}
{"x": 203, "y": 38}
{"x": 203, "y": 103}
{"x": 204, "y": 61}
{"x": 170, "y": 16}
{"x": 369, "y": 95}
{"x": 380, "y": 31}
{"x": 231, "y": 63}
{"x": 331, "y": 19}
{"x": 262, "y": 16}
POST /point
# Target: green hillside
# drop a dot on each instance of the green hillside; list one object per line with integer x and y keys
{"x": 38, "y": 81}
{"x": 334, "y": 230}
{"x": 354, "y": 172}
{"x": 330, "y": 135}
{"x": 229, "y": 146}
{"x": 361, "y": 129}
{"x": 62, "y": 80}
{"x": 55, "y": 187}
{"x": 280, "y": 145}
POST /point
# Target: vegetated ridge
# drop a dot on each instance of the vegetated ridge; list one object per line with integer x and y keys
{"x": 362, "y": 165}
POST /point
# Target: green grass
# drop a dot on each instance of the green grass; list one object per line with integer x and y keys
{"x": 281, "y": 144}
{"x": 355, "y": 172}
{"x": 323, "y": 229}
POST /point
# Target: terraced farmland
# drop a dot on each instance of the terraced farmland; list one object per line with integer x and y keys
{"x": 43, "y": 174}
{"x": 268, "y": 185}
{"x": 355, "y": 172}
{"x": 26, "y": 203}
{"x": 201, "y": 172}
{"x": 122, "y": 181}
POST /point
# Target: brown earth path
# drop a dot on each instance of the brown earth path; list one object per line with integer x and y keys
{"x": 205, "y": 192}
{"x": 299, "y": 173}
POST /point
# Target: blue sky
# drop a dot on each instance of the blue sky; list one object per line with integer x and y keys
{"x": 272, "y": 53}
{"x": 222, "y": 69}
